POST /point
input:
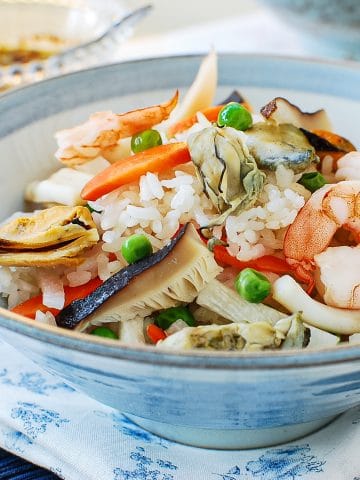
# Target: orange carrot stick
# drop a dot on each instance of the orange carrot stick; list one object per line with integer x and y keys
{"x": 29, "y": 308}
{"x": 210, "y": 113}
{"x": 130, "y": 169}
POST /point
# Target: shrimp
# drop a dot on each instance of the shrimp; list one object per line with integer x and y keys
{"x": 330, "y": 208}
{"x": 338, "y": 277}
{"x": 103, "y": 131}
{"x": 348, "y": 167}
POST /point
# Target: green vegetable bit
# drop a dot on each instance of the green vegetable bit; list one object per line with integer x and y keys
{"x": 312, "y": 181}
{"x": 104, "y": 332}
{"x": 91, "y": 209}
{"x": 234, "y": 115}
{"x": 144, "y": 140}
{"x": 252, "y": 285}
{"x": 169, "y": 316}
{"x": 136, "y": 247}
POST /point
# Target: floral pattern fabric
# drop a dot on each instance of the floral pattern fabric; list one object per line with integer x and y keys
{"x": 50, "y": 424}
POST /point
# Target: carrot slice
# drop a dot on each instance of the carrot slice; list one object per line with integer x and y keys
{"x": 155, "y": 333}
{"x": 130, "y": 169}
{"x": 267, "y": 263}
{"x": 29, "y": 308}
{"x": 210, "y": 113}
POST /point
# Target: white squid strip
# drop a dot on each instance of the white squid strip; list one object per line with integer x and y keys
{"x": 335, "y": 320}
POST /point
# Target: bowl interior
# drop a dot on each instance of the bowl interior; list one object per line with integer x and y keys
{"x": 31, "y": 116}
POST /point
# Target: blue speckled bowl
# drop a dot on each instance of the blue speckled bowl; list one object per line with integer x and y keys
{"x": 222, "y": 400}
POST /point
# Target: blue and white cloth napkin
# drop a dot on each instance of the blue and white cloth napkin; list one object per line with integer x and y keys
{"x": 50, "y": 424}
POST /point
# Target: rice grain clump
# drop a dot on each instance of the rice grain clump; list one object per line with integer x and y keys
{"x": 155, "y": 207}
{"x": 261, "y": 229}
{"x": 159, "y": 204}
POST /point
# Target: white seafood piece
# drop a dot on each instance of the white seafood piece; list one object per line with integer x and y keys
{"x": 348, "y": 167}
{"x": 62, "y": 187}
{"x": 339, "y": 276}
{"x": 289, "y": 293}
{"x": 202, "y": 91}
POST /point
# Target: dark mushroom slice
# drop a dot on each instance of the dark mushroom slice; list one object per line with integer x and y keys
{"x": 282, "y": 111}
{"x": 272, "y": 145}
{"x": 235, "y": 96}
{"x": 328, "y": 143}
{"x": 319, "y": 143}
{"x": 171, "y": 276}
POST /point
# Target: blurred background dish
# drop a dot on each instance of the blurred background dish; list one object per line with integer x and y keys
{"x": 333, "y": 25}
{"x": 42, "y": 38}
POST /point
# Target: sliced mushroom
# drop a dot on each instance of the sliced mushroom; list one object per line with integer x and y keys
{"x": 172, "y": 276}
{"x": 282, "y": 111}
{"x": 228, "y": 172}
{"x": 235, "y": 96}
{"x": 55, "y": 236}
{"x": 273, "y": 145}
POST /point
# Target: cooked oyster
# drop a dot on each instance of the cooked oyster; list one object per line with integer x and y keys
{"x": 273, "y": 145}
{"x": 287, "y": 333}
{"x": 298, "y": 335}
{"x": 55, "y": 236}
{"x": 228, "y": 172}
{"x": 232, "y": 337}
{"x": 172, "y": 276}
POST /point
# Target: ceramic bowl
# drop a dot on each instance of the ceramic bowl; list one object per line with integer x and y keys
{"x": 69, "y": 34}
{"x": 333, "y": 25}
{"x": 209, "y": 400}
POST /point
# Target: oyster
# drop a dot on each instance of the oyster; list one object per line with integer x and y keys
{"x": 273, "y": 145}
{"x": 229, "y": 173}
{"x": 232, "y": 337}
{"x": 286, "y": 333}
{"x": 55, "y": 236}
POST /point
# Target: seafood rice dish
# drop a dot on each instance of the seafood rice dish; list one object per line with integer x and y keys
{"x": 193, "y": 226}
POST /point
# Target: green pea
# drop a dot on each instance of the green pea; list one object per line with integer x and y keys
{"x": 136, "y": 247}
{"x": 169, "y": 316}
{"x": 252, "y": 285}
{"x": 144, "y": 140}
{"x": 312, "y": 181}
{"x": 104, "y": 332}
{"x": 234, "y": 115}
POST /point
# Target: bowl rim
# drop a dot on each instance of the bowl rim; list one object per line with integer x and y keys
{"x": 150, "y": 354}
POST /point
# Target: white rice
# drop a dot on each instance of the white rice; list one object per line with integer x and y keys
{"x": 156, "y": 206}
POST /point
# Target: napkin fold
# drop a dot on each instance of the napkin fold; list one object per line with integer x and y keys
{"x": 52, "y": 425}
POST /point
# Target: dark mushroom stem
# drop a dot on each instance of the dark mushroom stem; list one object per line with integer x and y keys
{"x": 78, "y": 310}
